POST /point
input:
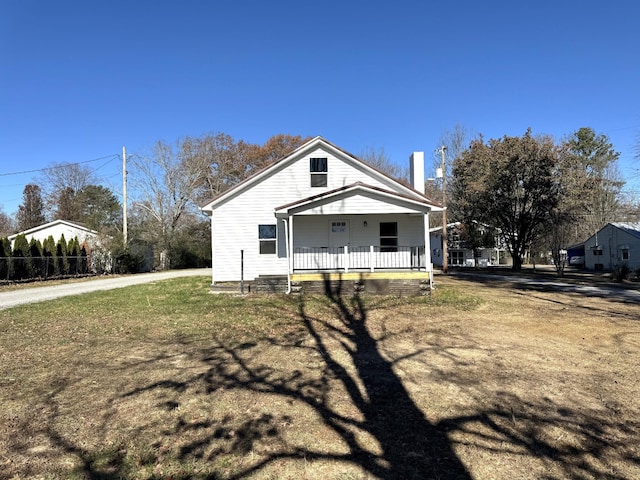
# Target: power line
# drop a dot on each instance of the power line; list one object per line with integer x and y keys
{"x": 64, "y": 165}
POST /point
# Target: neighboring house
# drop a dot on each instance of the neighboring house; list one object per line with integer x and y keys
{"x": 322, "y": 214}
{"x": 613, "y": 245}
{"x": 458, "y": 252}
{"x": 56, "y": 229}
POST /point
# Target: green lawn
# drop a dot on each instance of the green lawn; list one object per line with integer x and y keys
{"x": 167, "y": 380}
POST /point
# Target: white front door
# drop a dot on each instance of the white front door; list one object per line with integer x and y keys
{"x": 339, "y": 233}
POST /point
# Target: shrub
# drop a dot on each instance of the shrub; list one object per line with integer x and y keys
{"x": 621, "y": 272}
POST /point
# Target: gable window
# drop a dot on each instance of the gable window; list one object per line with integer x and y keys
{"x": 318, "y": 171}
{"x": 624, "y": 253}
{"x": 267, "y": 239}
{"x": 388, "y": 236}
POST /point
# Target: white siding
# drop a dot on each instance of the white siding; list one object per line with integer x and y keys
{"x": 235, "y": 221}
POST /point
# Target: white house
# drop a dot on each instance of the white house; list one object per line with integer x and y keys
{"x": 322, "y": 213}
{"x": 460, "y": 255}
{"x": 612, "y": 246}
{"x": 56, "y": 229}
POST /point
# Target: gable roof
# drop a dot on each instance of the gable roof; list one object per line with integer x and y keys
{"x": 631, "y": 228}
{"x": 312, "y": 144}
{"x": 45, "y": 226}
{"x": 357, "y": 188}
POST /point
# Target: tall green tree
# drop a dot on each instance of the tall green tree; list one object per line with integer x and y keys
{"x": 31, "y": 211}
{"x": 101, "y": 209}
{"x": 595, "y": 185}
{"x": 94, "y": 206}
{"x": 509, "y": 183}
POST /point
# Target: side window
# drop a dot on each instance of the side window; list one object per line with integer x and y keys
{"x": 625, "y": 254}
{"x": 388, "y": 236}
{"x": 318, "y": 170}
{"x": 267, "y": 239}
{"x": 457, "y": 257}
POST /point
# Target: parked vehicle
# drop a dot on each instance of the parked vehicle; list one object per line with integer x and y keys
{"x": 576, "y": 261}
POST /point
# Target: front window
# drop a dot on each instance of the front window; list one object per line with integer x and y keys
{"x": 625, "y": 254}
{"x": 456, "y": 257}
{"x": 318, "y": 169}
{"x": 267, "y": 238}
{"x": 388, "y": 236}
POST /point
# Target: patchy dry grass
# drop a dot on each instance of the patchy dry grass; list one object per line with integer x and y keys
{"x": 168, "y": 381}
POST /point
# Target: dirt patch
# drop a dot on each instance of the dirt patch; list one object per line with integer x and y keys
{"x": 482, "y": 380}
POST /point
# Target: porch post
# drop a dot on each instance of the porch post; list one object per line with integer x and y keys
{"x": 346, "y": 258}
{"x": 291, "y": 252}
{"x": 213, "y": 253}
{"x": 427, "y": 245}
{"x": 371, "y": 258}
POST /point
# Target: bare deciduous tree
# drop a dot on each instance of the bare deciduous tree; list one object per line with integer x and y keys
{"x": 7, "y": 224}
{"x": 165, "y": 188}
{"x": 31, "y": 211}
{"x": 378, "y": 159}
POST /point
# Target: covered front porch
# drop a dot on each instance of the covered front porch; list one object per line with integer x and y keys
{"x": 359, "y": 234}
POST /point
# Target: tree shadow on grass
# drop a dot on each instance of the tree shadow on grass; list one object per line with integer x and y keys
{"x": 384, "y": 434}
{"x": 375, "y": 426}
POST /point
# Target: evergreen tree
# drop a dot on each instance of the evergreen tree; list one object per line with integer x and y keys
{"x": 73, "y": 251}
{"x": 5, "y": 258}
{"x": 31, "y": 211}
{"x": 22, "y": 256}
{"x": 35, "y": 251}
{"x": 49, "y": 256}
{"x": 61, "y": 254}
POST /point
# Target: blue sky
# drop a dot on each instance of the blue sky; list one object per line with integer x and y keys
{"x": 80, "y": 79}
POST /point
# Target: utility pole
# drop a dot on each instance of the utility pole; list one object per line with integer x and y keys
{"x": 124, "y": 196}
{"x": 443, "y": 174}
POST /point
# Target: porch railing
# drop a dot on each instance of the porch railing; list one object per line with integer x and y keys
{"x": 371, "y": 257}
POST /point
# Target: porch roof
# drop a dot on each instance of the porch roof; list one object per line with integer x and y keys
{"x": 379, "y": 197}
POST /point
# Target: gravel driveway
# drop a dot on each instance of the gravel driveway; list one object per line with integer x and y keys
{"x": 39, "y": 294}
